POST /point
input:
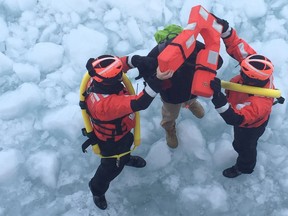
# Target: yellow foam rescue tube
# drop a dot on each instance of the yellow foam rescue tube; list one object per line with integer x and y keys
{"x": 86, "y": 118}
{"x": 275, "y": 93}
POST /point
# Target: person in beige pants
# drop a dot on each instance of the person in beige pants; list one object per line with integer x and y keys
{"x": 176, "y": 91}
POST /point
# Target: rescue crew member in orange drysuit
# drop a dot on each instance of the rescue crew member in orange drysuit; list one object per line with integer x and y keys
{"x": 111, "y": 110}
{"x": 248, "y": 113}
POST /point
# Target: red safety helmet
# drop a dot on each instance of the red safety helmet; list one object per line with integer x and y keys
{"x": 105, "y": 69}
{"x": 257, "y": 67}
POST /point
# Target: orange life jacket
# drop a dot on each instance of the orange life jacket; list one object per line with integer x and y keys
{"x": 174, "y": 55}
{"x": 110, "y": 114}
{"x": 255, "y": 109}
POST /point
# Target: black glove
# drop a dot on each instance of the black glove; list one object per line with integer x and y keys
{"x": 215, "y": 85}
{"x": 154, "y": 83}
{"x": 219, "y": 99}
{"x": 226, "y": 32}
{"x": 146, "y": 65}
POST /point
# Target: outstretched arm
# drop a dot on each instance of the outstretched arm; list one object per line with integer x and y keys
{"x": 150, "y": 91}
{"x": 236, "y": 47}
{"x": 146, "y": 65}
{"x": 126, "y": 104}
{"x": 222, "y": 106}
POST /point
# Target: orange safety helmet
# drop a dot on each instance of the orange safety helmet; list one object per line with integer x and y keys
{"x": 105, "y": 68}
{"x": 257, "y": 67}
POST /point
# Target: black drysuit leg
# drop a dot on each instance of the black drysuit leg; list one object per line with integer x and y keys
{"x": 108, "y": 169}
{"x": 245, "y": 144}
{"x": 106, "y": 172}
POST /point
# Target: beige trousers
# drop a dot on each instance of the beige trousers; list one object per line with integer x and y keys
{"x": 170, "y": 113}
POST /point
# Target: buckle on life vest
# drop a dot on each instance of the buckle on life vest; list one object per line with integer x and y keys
{"x": 89, "y": 135}
{"x": 82, "y": 105}
{"x": 84, "y": 132}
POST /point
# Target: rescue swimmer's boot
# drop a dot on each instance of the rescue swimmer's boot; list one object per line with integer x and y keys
{"x": 136, "y": 161}
{"x": 171, "y": 137}
{"x": 232, "y": 172}
{"x": 100, "y": 201}
{"x": 196, "y": 108}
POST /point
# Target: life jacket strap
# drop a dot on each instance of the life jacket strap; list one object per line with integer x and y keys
{"x": 181, "y": 49}
{"x": 202, "y": 67}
